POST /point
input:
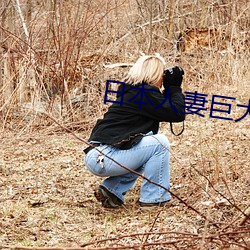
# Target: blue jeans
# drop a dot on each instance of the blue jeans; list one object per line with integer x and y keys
{"x": 149, "y": 157}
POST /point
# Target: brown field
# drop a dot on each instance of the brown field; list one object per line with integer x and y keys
{"x": 60, "y": 67}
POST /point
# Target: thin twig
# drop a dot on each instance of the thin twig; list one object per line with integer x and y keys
{"x": 246, "y": 217}
{"x": 153, "y": 224}
{"x": 216, "y": 190}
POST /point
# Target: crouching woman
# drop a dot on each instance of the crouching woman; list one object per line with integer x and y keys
{"x": 128, "y": 134}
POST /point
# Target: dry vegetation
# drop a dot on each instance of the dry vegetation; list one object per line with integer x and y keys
{"x": 54, "y": 58}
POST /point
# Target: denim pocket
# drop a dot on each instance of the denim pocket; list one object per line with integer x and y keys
{"x": 93, "y": 160}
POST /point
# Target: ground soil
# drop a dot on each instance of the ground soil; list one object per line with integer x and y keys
{"x": 46, "y": 192}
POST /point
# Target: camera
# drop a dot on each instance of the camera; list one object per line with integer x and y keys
{"x": 172, "y": 77}
{"x": 169, "y": 70}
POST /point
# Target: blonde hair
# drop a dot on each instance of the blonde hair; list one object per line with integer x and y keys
{"x": 147, "y": 69}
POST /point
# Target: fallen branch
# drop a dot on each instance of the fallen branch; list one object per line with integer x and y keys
{"x": 39, "y": 248}
{"x": 174, "y": 237}
{"x": 132, "y": 171}
{"x": 115, "y": 65}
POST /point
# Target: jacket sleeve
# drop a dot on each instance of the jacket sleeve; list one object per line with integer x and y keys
{"x": 168, "y": 107}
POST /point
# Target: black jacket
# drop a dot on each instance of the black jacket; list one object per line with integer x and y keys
{"x": 124, "y": 125}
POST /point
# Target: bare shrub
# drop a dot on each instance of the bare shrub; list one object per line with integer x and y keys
{"x": 62, "y": 69}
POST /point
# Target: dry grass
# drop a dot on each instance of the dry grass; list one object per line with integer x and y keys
{"x": 47, "y": 198}
{"x": 46, "y": 194}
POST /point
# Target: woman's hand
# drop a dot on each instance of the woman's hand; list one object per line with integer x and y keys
{"x": 173, "y": 77}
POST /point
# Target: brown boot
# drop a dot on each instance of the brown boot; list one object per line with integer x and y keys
{"x": 107, "y": 199}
